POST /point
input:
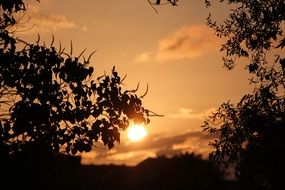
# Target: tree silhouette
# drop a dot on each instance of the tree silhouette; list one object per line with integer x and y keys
{"x": 251, "y": 133}
{"x": 50, "y": 100}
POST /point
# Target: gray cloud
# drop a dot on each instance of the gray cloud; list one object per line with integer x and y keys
{"x": 159, "y": 141}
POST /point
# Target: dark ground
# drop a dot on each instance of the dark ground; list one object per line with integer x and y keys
{"x": 181, "y": 172}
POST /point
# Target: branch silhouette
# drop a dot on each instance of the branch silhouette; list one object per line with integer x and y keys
{"x": 51, "y": 98}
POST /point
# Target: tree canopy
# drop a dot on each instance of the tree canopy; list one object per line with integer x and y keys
{"x": 250, "y": 133}
{"x": 50, "y": 99}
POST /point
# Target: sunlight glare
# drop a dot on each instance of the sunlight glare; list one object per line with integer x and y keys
{"x": 136, "y": 133}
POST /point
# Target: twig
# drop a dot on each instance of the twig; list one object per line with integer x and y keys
{"x": 142, "y": 96}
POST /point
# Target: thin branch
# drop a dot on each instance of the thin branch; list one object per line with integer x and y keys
{"x": 154, "y": 114}
{"x": 38, "y": 40}
{"x": 22, "y": 41}
{"x": 59, "y": 51}
{"x": 122, "y": 80}
{"x": 134, "y": 90}
{"x": 152, "y": 5}
{"x": 81, "y": 53}
{"x": 52, "y": 41}
{"x": 71, "y": 48}
{"x": 142, "y": 96}
{"x": 89, "y": 57}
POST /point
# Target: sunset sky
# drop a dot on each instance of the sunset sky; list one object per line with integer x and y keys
{"x": 172, "y": 51}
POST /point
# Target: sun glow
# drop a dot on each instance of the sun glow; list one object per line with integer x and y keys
{"x": 136, "y": 133}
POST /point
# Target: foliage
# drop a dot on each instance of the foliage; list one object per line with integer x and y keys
{"x": 251, "y": 132}
{"x": 50, "y": 100}
{"x": 250, "y": 30}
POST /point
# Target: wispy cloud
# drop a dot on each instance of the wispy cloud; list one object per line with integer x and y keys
{"x": 143, "y": 57}
{"x": 106, "y": 156}
{"x": 51, "y": 22}
{"x": 188, "y": 113}
{"x": 185, "y": 43}
{"x": 42, "y": 22}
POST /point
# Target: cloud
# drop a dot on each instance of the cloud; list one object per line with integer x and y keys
{"x": 187, "y": 42}
{"x": 187, "y": 113}
{"x": 42, "y": 22}
{"x": 143, "y": 57}
{"x": 191, "y": 141}
{"x": 84, "y": 28}
{"x": 158, "y": 141}
{"x": 129, "y": 158}
{"x": 54, "y": 22}
{"x": 100, "y": 156}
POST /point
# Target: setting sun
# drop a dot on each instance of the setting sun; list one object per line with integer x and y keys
{"x": 136, "y": 133}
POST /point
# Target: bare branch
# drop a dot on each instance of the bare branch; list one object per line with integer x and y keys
{"x": 152, "y": 5}
{"x": 90, "y": 57}
{"x": 154, "y": 114}
{"x": 122, "y": 80}
{"x": 71, "y": 48}
{"x": 52, "y": 41}
{"x": 142, "y": 96}
{"x": 134, "y": 90}
{"x": 38, "y": 40}
{"x": 81, "y": 53}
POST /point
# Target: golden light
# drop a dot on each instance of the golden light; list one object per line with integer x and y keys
{"x": 136, "y": 133}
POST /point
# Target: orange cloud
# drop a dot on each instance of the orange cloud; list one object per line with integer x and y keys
{"x": 45, "y": 22}
{"x": 158, "y": 144}
{"x": 187, "y": 42}
{"x": 143, "y": 57}
{"x": 187, "y": 113}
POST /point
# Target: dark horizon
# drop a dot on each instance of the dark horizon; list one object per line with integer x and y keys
{"x": 66, "y": 172}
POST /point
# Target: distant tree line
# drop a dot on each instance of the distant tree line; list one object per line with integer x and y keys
{"x": 185, "y": 171}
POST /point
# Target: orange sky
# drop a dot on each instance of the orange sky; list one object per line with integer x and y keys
{"x": 174, "y": 52}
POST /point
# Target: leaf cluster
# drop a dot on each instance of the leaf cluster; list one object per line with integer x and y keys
{"x": 52, "y": 100}
{"x": 250, "y": 30}
{"x": 250, "y": 133}
{"x": 8, "y": 8}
